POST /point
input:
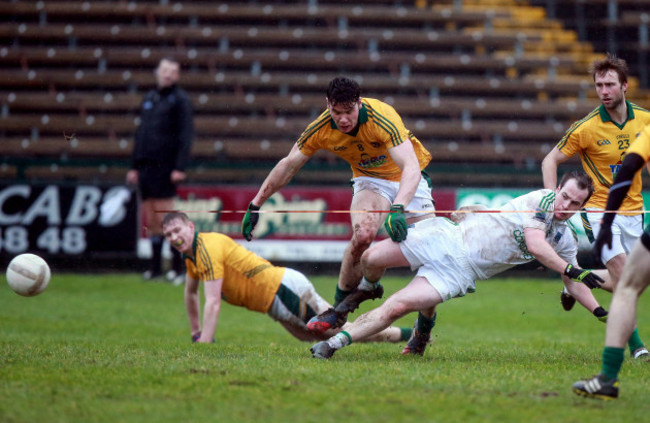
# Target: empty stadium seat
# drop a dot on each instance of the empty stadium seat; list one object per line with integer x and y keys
{"x": 478, "y": 81}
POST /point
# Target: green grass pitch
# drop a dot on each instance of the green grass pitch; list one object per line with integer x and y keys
{"x": 110, "y": 348}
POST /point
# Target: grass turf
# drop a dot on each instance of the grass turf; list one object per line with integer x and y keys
{"x": 110, "y": 348}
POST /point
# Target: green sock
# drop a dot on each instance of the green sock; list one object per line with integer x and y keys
{"x": 612, "y": 361}
{"x": 405, "y": 334}
{"x": 340, "y": 295}
{"x": 634, "y": 343}
{"x": 424, "y": 324}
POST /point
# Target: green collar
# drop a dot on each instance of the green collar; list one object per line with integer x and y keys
{"x": 605, "y": 117}
{"x": 196, "y": 238}
{"x": 363, "y": 118}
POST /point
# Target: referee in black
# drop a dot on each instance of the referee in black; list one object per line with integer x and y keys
{"x": 161, "y": 153}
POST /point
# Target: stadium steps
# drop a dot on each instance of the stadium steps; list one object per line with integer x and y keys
{"x": 476, "y": 83}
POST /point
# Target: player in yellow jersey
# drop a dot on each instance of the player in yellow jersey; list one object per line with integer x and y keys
{"x": 634, "y": 280}
{"x": 231, "y": 273}
{"x": 387, "y": 163}
{"x": 602, "y": 139}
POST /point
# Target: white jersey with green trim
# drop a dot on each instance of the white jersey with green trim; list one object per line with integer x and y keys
{"x": 495, "y": 242}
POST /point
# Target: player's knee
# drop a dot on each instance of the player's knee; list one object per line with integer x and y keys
{"x": 627, "y": 293}
{"x": 369, "y": 259}
{"x": 631, "y": 285}
{"x": 362, "y": 238}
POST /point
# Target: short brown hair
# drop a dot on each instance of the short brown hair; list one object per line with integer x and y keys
{"x": 173, "y": 216}
{"x": 611, "y": 62}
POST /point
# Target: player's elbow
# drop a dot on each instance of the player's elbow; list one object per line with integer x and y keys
{"x": 535, "y": 248}
{"x": 549, "y": 165}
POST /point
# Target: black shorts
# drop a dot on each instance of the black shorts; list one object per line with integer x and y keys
{"x": 155, "y": 182}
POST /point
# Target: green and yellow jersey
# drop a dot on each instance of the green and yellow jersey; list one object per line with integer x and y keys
{"x": 380, "y": 128}
{"x": 248, "y": 280}
{"x": 641, "y": 145}
{"x": 602, "y": 144}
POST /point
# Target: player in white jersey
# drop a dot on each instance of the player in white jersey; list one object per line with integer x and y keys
{"x": 450, "y": 257}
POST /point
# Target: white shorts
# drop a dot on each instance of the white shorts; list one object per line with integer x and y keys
{"x": 296, "y": 301}
{"x": 422, "y": 202}
{"x": 435, "y": 248}
{"x": 626, "y": 230}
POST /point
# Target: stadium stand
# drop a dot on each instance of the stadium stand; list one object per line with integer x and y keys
{"x": 617, "y": 26}
{"x": 488, "y": 86}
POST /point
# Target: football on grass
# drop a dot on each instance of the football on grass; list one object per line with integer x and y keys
{"x": 28, "y": 275}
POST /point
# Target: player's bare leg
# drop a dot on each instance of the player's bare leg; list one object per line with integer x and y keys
{"x": 615, "y": 268}
{"x": 364, "y": 230}
{"x": 319, "y": 305}
{"x": 374, "y": 261}
{"x": 390, "y": 334}
{"x": 386, "y": 254}
{"x": 383, "y": 255}
{"x": 622, "y": 314}
{"x": 620, "y": 324}
{"x": 417, "y": 295}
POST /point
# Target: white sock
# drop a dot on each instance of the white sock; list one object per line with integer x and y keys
{"x": 339, "y": 340}
{"x": 366, "y": 285}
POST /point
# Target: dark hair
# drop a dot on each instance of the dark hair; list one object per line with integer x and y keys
{"x": 174, "y": 215}
{"x": 342, "y": 90}
{"x": 611, "y": 62}
{"x": 583, "y": 181}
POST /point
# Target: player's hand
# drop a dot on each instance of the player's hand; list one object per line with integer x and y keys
{"x": 601, "y": 314}
{"x": 250, "y": 220}
{"x": 587, "y": 277}
{"x": 395, "y": 223}
{"x": 604, "y": 238}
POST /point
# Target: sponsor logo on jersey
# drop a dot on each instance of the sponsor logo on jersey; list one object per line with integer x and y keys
{"x": 603, "y": 142}
{"x": 372, "y": 162}
{"x": 340, "y": 148}
{"x": 615, "y": 168}
{"x": 521, "y": 243}
{"x": 375, "y": 144}
{"x": 540, "y": 215}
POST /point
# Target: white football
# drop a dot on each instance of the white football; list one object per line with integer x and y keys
{"x": 28, "y": 275}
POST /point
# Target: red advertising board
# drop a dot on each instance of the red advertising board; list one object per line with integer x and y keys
{"x": 294, "y": 213}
